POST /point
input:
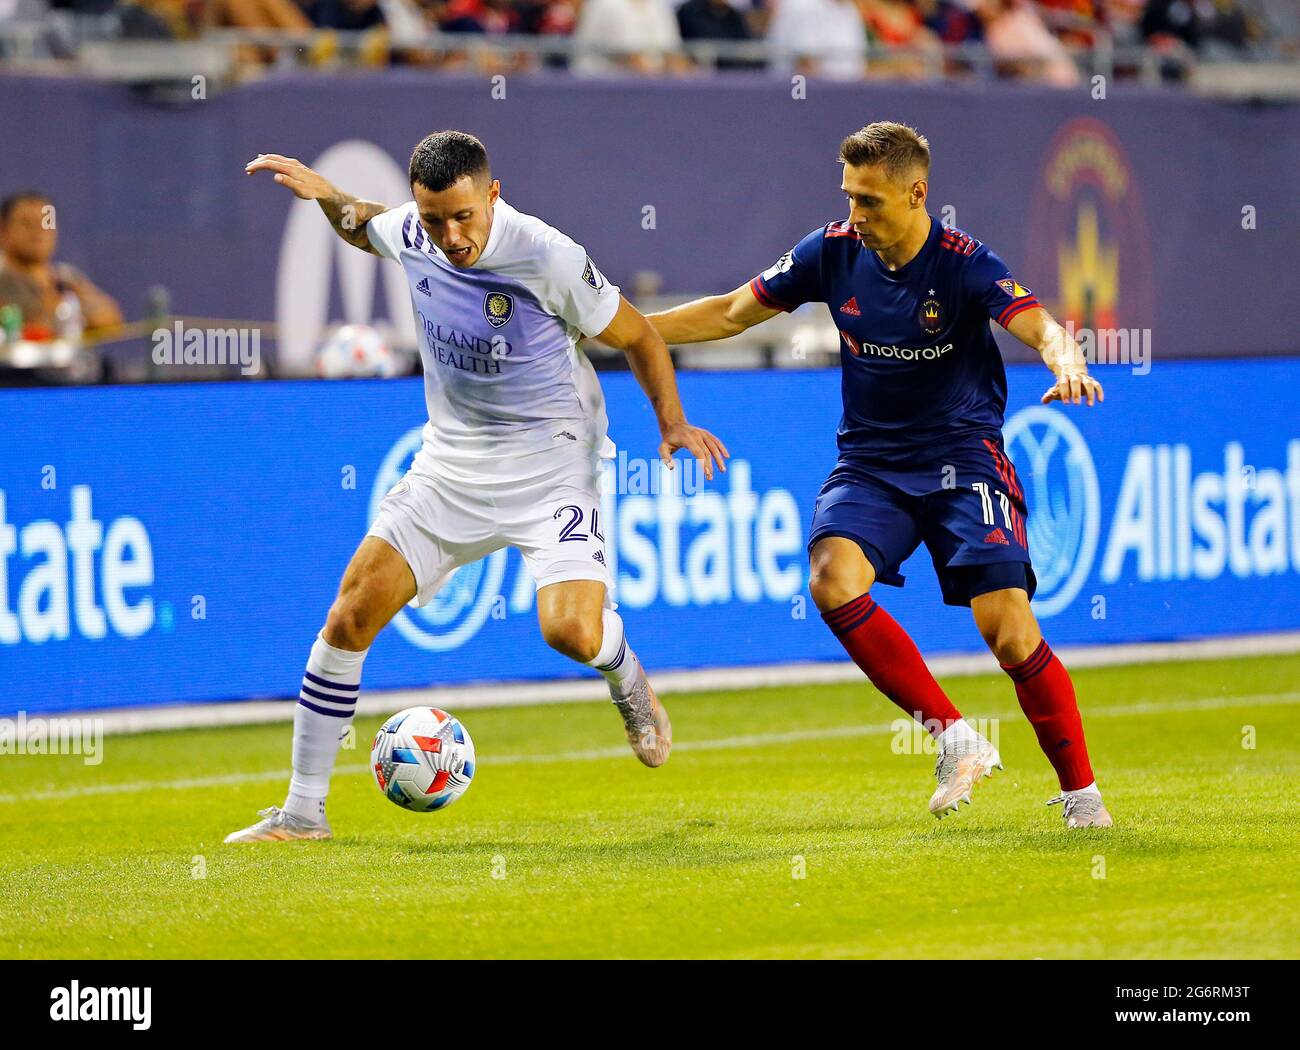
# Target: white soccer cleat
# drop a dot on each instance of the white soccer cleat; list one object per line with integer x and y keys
{"x": 1083, "y": 809}
{"x": 648, "y": 729}
{"x": 959, "y": 767}
{"x": 278, "y": 825}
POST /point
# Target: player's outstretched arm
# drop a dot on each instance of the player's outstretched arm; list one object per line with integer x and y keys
{"x": 653, "y": 367}
{"x": 715, "y": 317}
{"x": 347, "y": 214}
{"x": 1038, "y": 329}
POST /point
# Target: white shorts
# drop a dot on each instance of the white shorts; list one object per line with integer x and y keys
{"x": 552, "y": 518}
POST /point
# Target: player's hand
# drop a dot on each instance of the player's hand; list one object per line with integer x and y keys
{"x": 706, "y": 448}
{"x": 1073, "y": 385}
{"x": 306, "y": 184}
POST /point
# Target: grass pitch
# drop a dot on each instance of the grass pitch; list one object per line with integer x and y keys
{"x": 785, "y": 825}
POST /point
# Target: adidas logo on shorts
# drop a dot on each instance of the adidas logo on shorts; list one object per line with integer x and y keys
{"x": 599, "y": 556}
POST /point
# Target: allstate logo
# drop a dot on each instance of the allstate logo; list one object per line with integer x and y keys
{"x": 1056, "y": 468}
{"x": 462, "y": 606}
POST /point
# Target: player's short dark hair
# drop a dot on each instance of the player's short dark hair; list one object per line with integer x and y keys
{"x": 9, "y": 203}
{"x": 901, "y": 149}
{"x": 445, "y": 156}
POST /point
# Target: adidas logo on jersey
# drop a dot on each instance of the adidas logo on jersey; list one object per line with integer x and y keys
{"x": 997, "y": 536}
{"x": 423, "y": 286}
{"x": 851, "y": 307}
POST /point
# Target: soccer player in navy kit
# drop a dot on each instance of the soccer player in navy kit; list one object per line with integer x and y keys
{"x": 921, "y": 457}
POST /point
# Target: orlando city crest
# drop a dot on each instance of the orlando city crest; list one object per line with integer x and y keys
{"x": 930, "y": 315}
{"x": 498, "y": 308}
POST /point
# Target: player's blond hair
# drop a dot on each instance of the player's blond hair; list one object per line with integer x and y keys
{"x": 901, "y": 149}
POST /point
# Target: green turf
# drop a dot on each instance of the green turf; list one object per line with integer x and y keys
{"x": 558, "y": 853}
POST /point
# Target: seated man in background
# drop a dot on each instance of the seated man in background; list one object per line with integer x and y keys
{"x": 715, "y": 20}
{"x": 38, "y": 286}
{"x": 826, "y": 38}
{"x": 633, "y": 36}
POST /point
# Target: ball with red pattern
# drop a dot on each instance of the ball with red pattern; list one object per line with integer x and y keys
{"x": 422, "y": 759}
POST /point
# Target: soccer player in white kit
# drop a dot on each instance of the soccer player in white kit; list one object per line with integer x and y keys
{"x": 510, "y": 454}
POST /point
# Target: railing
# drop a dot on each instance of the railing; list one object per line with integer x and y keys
{"x": 90, "y": 44}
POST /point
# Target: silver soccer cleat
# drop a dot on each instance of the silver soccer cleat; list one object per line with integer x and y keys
{"x": 278, "y": 825}
{"x": 648, "y": 729}
{"x": 1083, "y": 810}
{"x": 958, "y": 768}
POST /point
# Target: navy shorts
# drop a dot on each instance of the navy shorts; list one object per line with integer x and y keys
{"x": 967, "y": 507}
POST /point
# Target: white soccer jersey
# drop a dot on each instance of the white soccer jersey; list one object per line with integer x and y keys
{"x": 504, "y": 380}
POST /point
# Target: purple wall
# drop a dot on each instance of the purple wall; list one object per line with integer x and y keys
{"x": 736, "y": 170}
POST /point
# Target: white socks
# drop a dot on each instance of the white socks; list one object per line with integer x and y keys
{"x": 960, "y": 731}
{"x": 615, "y": 660}
{"x": 326, "y": 704}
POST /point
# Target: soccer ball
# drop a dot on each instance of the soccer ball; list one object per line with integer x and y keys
{"x": 355, "y": 351}
{"x": 423, "y": 759}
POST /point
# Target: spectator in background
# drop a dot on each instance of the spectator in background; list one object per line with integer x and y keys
{"x": 1122, "y": 18}
{"x": 1023, "y": 45}
{"x": 714, "y": 20}
{"x": 1075, "y": 22}
{"x": 1217, "y": 27}
{"x": 952, "y": 22}
{"x": 819, "y": 38}
{"x": 144, "y": 20}
{"x": 476, "y": 16}
{"x": 898, "y": 24}
{"x": 52, "y": 296}
{"x": 1226, "y": 29}
{"x": 547, "y": 17}
{"x": 345, "y": 14}
{"x": 1166, "y": 23}
{"x": 640, "y": 36}
{"x": 256, "y": 14}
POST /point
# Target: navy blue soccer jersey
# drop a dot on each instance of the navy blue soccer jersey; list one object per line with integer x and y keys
{"x": 921, "y": 371}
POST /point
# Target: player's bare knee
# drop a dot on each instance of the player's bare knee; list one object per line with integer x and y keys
{"x": 1010, "y": 638}
{"x": 573, "y": 636}
{"x": 1007, "y": 625}
{"x": 838, "y": 573}
{"x": 831, "y": 588}
{"x": 350, "y": 626}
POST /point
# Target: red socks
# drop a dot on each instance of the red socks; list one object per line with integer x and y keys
{"x": 893, "y": 663}
{"x": 1046, "y": 695}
